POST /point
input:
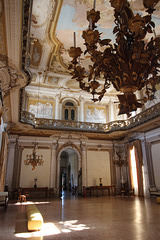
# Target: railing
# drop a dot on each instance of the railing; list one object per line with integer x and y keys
{"x": 119, "y": 125}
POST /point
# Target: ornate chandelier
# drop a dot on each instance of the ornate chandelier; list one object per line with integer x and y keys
{"x": 120, "y": 160}
{"x": 34, "y": 159}
{"x": 130, "y": 65}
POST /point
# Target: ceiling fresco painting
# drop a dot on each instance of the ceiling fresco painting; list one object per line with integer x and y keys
{"x": 73, "y": 19}
{"x": 52, "y": 27}
{"x": 45, "y": 53}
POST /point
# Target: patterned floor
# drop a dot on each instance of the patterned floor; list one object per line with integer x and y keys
{"x": 66, "y": 218}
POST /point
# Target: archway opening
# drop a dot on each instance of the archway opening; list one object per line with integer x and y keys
{"x": 68, "y": 173}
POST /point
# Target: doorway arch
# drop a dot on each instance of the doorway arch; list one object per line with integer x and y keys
{"x": 68, "y": 169}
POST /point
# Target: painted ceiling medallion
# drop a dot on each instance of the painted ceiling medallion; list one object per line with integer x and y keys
{"x": 130, "y": 64}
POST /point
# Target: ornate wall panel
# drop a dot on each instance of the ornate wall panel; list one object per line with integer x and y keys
{"x": 36, "y": 53}
{"x": 41, "y": 108}
{"x": 96, "y": 114}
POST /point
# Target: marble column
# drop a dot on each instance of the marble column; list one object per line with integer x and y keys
{"x": 111, "y": 111}
{"x": 150, "y": 163}
{"x": 84, "y": 165}
{"x": 112, "y": 168}
{"x": 58, "y": 174}
{"x": 53, "y": 166}
{"x": 81, "y": 117}
{"x": 10, "y": 165}
{"x": 57, "y": 106}
{"x": 145, "y": 170}
{"x": 17, "y": 166}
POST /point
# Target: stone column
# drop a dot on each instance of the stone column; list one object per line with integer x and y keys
{"x": 81, "y": 118}
{"x": 145, "y": 170}
{"x": 112, "y": 168}
{"x": 84, "y": 165}
{"x": 57, "y": 106}
{"x": 150, "y": 163}
{"x": 53, "y": 166}
{"x": 10, "y": 165}
{"x": 17, "y": 166}
{"x": 111, "y": 111}
{"x": 58, "y": 174}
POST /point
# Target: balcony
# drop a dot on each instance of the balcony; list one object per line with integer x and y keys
{"x": 120, "y": 125}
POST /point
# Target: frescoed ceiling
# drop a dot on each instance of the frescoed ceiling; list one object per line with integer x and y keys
{"x": 52, "y": 27}
{"x": 51, "y": 35}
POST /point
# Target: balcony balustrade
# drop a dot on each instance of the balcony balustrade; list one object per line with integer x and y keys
{"x": 119, "y": 125}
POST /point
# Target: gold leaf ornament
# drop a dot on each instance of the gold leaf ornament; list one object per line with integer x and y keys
{"x": 117, "y": 4}
{"x": 90, "y": 36}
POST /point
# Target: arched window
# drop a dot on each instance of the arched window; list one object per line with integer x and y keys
{"x": 69, "y": 111}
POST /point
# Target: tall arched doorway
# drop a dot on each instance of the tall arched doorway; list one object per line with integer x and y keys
{"x": 69, "y": 172}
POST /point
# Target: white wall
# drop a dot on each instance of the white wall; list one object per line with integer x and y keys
{"x": 98, "y": 166}
{"x": 42, "y": 173}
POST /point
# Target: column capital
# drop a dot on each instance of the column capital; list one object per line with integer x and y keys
{"x": 81, "y": 99}
{"x": 12, "y": 145}
{"x": 83, "y": 147}
{"x": 54, "y": 146}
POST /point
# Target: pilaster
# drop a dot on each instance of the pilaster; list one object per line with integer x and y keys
{"x": 84, "y": 165}
{"x": 53, "y": 166}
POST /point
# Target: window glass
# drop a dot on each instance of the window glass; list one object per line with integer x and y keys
{"x": 66, "y": 114}
{"x": 72, "y": 114}
{"x": 69, "y": 104}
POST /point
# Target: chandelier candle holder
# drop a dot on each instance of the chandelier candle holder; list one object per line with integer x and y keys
{"x": 34, "y": 159}
{"x": 130, "y": 64}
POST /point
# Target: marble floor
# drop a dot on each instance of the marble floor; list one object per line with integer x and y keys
{"x": 106, "y": 217}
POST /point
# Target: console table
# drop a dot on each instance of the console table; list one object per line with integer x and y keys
{"x": 98, "y": 190}
{"x": 35, "y": 192}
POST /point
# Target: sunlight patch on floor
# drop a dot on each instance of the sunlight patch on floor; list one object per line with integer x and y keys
{"x": 29, "y": 202}
{"x": 47, "y": 229}
{"x": 51, "y": 229}
{"x": 72, "y": 225}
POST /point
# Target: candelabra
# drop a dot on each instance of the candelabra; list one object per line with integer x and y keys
{"x": 34, "y": 159}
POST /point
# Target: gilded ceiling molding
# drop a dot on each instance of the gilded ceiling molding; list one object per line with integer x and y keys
{"x": 57, "y": 45}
